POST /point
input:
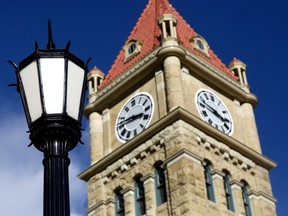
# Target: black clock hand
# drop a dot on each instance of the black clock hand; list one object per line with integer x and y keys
{"x": 214, "y": 111}
{"x": 131, "y": 118}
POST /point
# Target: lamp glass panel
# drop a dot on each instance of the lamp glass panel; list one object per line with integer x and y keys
{"x": 30, "y": 80}
{"x": 74, "y": 89}
{"x": 53, "y": 81}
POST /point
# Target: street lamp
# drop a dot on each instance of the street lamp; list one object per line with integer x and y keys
{"x": 51, "y": 83}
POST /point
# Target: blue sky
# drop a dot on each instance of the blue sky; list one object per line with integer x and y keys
{"x": 254, "y": 31}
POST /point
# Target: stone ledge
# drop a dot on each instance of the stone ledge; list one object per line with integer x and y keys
{"x": 166, "y": 121}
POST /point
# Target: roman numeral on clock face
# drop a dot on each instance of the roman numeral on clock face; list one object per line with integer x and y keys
{"x": 204, "y": 113}
{"x": 213, "y": 111}
{"x": 146, "y": 116}
{"x": 123, "y": 132}
{"x": 147, "y": 108}
{"x": 134, "y": 116}
{"x": 133, "y": 102}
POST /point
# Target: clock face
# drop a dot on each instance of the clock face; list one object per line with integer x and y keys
{"x": 213, "y": 111}
{"x": 134, "y": 116}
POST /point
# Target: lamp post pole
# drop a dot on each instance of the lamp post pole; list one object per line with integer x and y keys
{"x": 52, "y": 84}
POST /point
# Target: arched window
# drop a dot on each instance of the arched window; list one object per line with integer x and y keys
{"x": 200, "y": 44}
{"x": 209, "y": 182}
{"x": 132, "y": 48}
{"x": 228, "y": 193}
{"x": 140, "y": 205}
{"x": 119, "y": 203}
{"x": 246, "y": 201}
{"x": 160, "y": 186}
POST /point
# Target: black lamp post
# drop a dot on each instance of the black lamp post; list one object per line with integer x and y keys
{"x": 51, "y": 83}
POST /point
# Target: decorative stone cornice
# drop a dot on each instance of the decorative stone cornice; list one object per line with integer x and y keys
{"x": 92, "y": 208}
{"x": 236, "y": 184}
{"x": 217, "y": 174}
{"x": 129, "y": 191}
{"x": 262, "y": 196}
{"x": 148, "y": 178}
{"x": 170, "y": 118}
{"x": 226, "y": 153}
{"x": 154, "y": 59}
{"x": 217, "y": 78}
{"x": 183, "y": 154}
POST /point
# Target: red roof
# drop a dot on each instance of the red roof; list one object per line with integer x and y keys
{"x": 148, "y": 32}
{"x": 235, "y": 60}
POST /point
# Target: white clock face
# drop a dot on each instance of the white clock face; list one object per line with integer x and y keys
{"x": 213, "y": 111}
{"x": 134, "y": 116}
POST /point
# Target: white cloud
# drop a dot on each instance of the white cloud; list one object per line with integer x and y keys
{"x": 21, "y": 181}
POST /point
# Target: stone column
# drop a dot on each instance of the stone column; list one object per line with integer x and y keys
{"x": 262, "y": 204}
{"x": 186, "y": 184}
{"x": 110, "y": 207}
{"x": 150, "y": 198}
{"x": 236, "y": 188}
{"x": 96, "y": 196}
{"x": 219, "y": 189}
{"x": 251, "y": 135}
{"x": 96, "y": 137}
{"x": 106, "y": 132}
{"x": 160, "y": 87}
{"x": 129, "y": 201}
{"x": 174, "y": 84}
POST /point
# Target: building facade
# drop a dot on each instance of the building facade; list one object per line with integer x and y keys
{"x": 172, "y": 128}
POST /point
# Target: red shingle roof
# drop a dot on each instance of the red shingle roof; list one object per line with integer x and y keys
{"x": 148, "y": 32}
{"x": 235, "y": 60}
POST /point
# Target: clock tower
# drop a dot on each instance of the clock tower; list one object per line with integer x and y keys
{"x": 172, "y": 128}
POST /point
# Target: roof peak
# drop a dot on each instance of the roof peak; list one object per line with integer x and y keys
{"x": 148, "y": 33}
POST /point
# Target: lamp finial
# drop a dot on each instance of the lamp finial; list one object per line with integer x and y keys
{"x": 50, "y": 44}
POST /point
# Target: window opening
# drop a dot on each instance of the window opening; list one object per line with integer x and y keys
{"x": 119, "y": 204}
{"x": 228, "y": 193}
{"x": 160, "y": 186}
{"x": 209, "y": 183}
{"x": 140, "y": 197}
{"x": 200, "y": 44}
{"x": 132, "y": 48}
{"x": 246, "y": 201}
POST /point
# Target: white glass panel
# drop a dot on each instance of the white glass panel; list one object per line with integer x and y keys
{"x": 29, "y": 77}
{"x": 74, "y": 89}
{"x": 53, "y": 76}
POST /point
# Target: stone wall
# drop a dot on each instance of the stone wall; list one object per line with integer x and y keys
{"x": 183, "y": 150}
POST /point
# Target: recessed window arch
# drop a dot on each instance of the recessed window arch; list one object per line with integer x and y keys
{"x": 132, "y": 48}
{"x": 200, "y": 44}
{"x": 119, "y": 202}
{"x": 245, "y": 197}
{"x": 160, "y": 183}
{"x": 139, "y": 191}
{"x": 228, "y": 191}
{"x": 209, "y": 181}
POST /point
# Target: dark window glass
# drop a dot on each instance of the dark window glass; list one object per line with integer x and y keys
{"x": 228, "y": 193}
{"x": 119, "y": 204}
{"x": 160, "y": 186}
{"x": 200, "y": 44}
{"x": 209, "y": 183}
{"x": 140, "y": 197}
{"x": 131, "y": 48}
{"x": 246, "y": 201}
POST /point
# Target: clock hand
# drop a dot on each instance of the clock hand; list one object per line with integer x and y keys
{"x": 131, "y": 118}
{"x": 214, "y": 111}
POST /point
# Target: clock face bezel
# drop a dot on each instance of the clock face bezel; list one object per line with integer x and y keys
{"x": 134, "y": 116}
{"x": 214, "y": 111}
